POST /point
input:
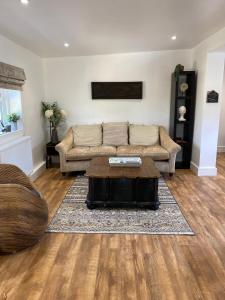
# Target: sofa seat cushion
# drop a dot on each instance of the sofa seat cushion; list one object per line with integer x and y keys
{"x": 130, "y": 150}
{"x": 145, "y": 135}
{"x": 87, "y": 135}
{"x": 78, "y": 153}
{"x": 102, "y": 151}
{"x": 87, "y": 153}
{"x": 115, "y": 133}
{"x": 156, "y": 152}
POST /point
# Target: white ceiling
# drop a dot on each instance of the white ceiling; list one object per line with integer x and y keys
{"x": 109, "y": 26}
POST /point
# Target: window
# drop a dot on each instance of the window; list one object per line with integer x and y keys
{"x": 10, "y": 111}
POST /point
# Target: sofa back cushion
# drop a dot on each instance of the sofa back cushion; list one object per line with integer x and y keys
{"x": 145, "y": 135}
{"x": 87, "y": 135}
{"x": 115, "y": 133}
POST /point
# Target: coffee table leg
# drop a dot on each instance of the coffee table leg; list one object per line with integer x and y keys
{"x": 155, "y": 205}
{"x": 90, "y": 205}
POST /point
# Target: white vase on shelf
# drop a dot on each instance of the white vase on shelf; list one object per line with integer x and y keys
{"x": 182, "y": 111}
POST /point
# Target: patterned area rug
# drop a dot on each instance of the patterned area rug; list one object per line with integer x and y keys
{"x": 74, "y": 216}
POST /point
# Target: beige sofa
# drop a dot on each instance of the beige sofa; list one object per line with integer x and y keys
{"x": 83, "y": 142}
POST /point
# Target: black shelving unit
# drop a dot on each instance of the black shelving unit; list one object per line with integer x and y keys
{"x": 182, "y": 131}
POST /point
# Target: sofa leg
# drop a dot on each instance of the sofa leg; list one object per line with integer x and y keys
{"x": 171, "y": 174}
{"x": 63, "y": 173}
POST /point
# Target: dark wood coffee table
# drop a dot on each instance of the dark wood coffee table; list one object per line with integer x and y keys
{"x": 122, "y": 186}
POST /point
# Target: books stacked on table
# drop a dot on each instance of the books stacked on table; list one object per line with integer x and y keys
{"x": 125, "y": 161}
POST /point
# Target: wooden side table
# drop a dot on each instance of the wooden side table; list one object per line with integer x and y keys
{"x": 50, "y": 151}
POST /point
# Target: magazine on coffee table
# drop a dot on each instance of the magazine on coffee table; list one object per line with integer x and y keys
{"x": 125, "y": 161}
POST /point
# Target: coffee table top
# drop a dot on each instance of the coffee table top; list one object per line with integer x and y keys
{"x": 100, "y": 168}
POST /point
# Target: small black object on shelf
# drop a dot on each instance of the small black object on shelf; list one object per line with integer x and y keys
{"x": 183, "y": 93}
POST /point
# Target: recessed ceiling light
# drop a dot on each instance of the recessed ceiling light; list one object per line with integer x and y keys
{"x": 173, "y": 37}
{"x": 25, "y": 2}
{"x": 66, "y": 45}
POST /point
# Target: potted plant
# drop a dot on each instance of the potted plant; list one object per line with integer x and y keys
{"x": 55, "y": 116}
{"x": 13, "y": 118}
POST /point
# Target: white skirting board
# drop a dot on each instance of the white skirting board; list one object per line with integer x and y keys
{"x": 203, "y": 171}
{"x": 18, "y": 152}
{"x": 221, "y": 149}
{"x": 38, "y": 170}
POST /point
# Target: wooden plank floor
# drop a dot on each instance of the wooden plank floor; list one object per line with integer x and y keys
{"x": 97, "y": 266}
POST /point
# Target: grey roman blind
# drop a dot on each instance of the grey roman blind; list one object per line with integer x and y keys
{"x": 11, "y": 77}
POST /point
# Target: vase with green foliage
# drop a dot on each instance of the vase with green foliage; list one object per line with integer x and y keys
{"x": 178, "y": 69}
{"x": 55, "y": 116}
{"x": 13, "y": 118}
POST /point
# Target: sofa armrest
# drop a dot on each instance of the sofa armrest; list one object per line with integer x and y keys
{"x": 167, "y": 142}
{"x": 66, "y": 144}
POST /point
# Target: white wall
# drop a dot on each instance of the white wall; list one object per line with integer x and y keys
{"x": 210, "y": 67}
{"x": 67, "y": 80}
{"x": 32, "y": 95}
{"x": 221, "y": 139}
{"x": 211, "y": 114}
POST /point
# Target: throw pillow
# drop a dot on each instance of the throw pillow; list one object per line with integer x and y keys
{"x": 115, "y": 133}
{"x": 145, "y": 135}
{"x": 87, "y": 135}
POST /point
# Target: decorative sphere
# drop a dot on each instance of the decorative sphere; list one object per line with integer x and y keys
{"x": 183, "y": 87}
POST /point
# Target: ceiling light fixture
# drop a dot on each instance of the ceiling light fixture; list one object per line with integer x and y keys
{"x": 173, "y": 37}
{"x": 66, "y": 45}
{"x": 25, "y": 2}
